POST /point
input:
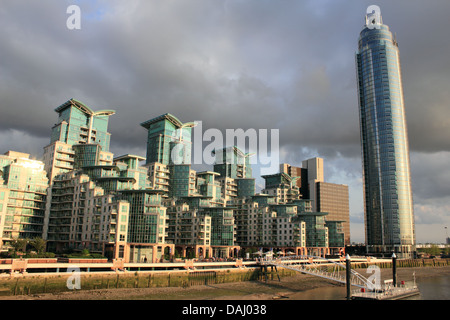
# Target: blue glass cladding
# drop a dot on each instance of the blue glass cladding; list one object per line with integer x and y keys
{"x": 385, "y": 151}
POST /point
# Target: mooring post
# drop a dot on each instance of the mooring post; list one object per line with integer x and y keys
{"x": 265, "y": 272}
{"x": 277, "y": 273}
{"x": 394, "y": 269}
{"x": 348, "y": 276}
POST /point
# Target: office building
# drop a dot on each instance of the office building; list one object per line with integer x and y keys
{"x": 389, "y": 215}
{"x": 324, "y": 196}
{"x": 300, "y": 175}
{"x": 314, "y": 168}
{"x": 306, "y": 177}
{"x": 334, "y": 199}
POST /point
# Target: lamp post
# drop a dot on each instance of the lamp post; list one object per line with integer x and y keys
{"x": 394, "y": 269}
{"x": 348, "y": 275}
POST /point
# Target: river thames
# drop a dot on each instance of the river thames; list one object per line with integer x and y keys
{"x": 436, "y": 288}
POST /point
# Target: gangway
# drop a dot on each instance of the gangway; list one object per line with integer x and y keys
{"x": 318, "y": 266}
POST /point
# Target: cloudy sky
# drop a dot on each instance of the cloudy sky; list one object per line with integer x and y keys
{"x": 250, "y": 64}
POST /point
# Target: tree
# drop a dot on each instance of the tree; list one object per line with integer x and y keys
{"x": 19, "y": 245}
{"x": 38, "y": 244}
{"x": 434, "y": 250}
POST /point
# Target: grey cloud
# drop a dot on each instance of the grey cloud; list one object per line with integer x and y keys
{"x": 432, "y": 212}
{"x": 32, "y": 145}
{"x": 430, "y": 175}
{"x": 285, "y": 65}
{"x": 275, "y": 64}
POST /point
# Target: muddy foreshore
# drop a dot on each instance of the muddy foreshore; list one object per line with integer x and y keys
{"x": 285, "y": 288}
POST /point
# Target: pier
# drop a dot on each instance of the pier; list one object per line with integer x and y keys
{"x": 333, "y": 269}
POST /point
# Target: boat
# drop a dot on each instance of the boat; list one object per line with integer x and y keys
{"x": 388, "y": 292}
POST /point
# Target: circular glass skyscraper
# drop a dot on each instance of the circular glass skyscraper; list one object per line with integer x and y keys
{"x": 389, "y": 213}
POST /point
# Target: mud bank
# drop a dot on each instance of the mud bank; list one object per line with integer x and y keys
{"x": 284, "y": 289}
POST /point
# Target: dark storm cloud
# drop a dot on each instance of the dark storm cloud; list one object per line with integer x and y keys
{"x": 285, "y": 65}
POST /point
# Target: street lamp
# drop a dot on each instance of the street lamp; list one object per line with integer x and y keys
{"x": 348, "y": 267}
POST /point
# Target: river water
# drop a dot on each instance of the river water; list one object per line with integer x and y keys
{"x": 435, "y": 288}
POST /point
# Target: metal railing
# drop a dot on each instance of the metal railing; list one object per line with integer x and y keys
{"x": 318, "y": 266}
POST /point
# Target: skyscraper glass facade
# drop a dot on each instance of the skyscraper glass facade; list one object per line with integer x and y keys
{"x": 389, "y": 215}
{"x": 233, "y": 162}
{"x": 91, "y": 200}
{"x": 146, "y": 222}
{"x": 79, "y": 124}
{"x": 168, "y": 140}
{"x": 23, "y": 191}
{"x": 179, "y": 181}
{"x": 86, "y": 155}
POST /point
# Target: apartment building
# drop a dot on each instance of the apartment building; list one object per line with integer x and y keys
{"x": 23, "y": 192}
{"x": 148, "y": 209}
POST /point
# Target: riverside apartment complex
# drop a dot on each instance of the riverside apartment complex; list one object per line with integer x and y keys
{"x": 148, "y": 209}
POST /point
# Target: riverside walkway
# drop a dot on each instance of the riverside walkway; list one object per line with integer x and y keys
{"x": 22, "y": 266}
{"x": 28, "y": 266}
